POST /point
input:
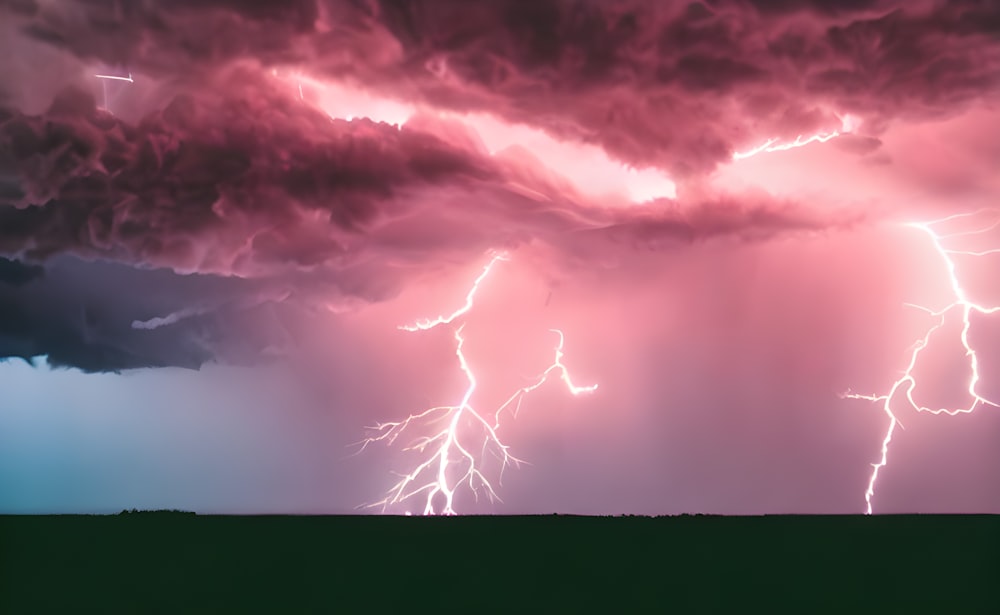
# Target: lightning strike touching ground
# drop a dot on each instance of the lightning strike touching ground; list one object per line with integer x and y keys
{"x": 960, "y": 305}
{"x": 451, "y": 462}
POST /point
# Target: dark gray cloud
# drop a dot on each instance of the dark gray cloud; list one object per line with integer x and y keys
{"x": 84, "y": 315}
{"x": 14, "y": 273}
{"x": 207, "y": 179}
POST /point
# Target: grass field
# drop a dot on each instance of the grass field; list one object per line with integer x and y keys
{"x": 183, "y": 563}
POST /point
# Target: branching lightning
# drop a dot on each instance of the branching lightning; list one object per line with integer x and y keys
{"x": 900, "y": 394}
{"x": 454, "y": 454}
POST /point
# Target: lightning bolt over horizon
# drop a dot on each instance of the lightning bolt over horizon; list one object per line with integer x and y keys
{"x": 449, "y": 461}
{"x": 901, "y": 393}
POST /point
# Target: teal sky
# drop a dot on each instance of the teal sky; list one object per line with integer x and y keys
{"x": 219, "y": 440}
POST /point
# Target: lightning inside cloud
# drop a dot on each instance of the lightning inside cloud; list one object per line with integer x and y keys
{"x": 775, "y": 145}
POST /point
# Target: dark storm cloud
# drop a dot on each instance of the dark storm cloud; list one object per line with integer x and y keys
{"x": 244, "y": 179}
{"x": 655, "y": 83}
{"x": 222, "y": 170}
{"x": 109, "y": 317}
{"x": 167, "y": 37}
{"x": 823, "y": 7}
{"x": 678, "y": 87}
{"x": 210, "y": 179}
{"x": 288, "y": 208}
{"x": 14, "y": 273}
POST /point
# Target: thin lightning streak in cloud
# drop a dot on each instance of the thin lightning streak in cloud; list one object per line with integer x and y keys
{"x": 769, "y": 145}
{"x": 449, "y": 449}
{"x": 906, "y": 383}
{"x": 116, "y": 77}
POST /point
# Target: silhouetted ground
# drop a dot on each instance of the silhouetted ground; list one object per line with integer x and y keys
{"x": 182, "y": 563}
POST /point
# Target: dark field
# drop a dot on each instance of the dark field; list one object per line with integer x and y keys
{"x": 182, "y": 563}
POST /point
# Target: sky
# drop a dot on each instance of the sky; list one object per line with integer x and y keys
{"x": 590, "y": 257}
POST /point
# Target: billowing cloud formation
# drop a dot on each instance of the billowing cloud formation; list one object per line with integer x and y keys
{"x": 245, "y": 181}
{"x": 217, "y": 171}
{"x": 209, "y": 181}
{"x": 290, "y": 201}
{"x": 85, "y": 315}
{"x": 655, "y": 83}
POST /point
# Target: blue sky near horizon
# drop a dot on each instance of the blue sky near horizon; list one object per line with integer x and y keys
{"x": 209, "y": 441}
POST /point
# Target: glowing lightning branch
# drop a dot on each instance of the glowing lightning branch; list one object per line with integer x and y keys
{"x": 116, "y": 77}
{"x": 907, "y": 382}
{"x": 770, "y": 144}
{"x": 425, "y": 324}
{"x": 451, "y": 462}
{"x": 556, "y": 366}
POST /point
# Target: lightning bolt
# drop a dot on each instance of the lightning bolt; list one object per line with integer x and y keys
{"x": 425, "y": 324}
{"x": 900, "y": 394}
{"x": 773, "y": 145}
{"x": 449, "y": 461}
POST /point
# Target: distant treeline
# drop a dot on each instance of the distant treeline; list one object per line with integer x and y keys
{"x": 156, "y": 512}
{"x": 174, "y": 562}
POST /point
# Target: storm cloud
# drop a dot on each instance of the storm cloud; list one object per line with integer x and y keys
{"x": 655, "y": 83}
{"x": 213, "y": 167}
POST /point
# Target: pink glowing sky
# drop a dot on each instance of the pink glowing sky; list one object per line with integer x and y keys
{"x": 214, "y": 257}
